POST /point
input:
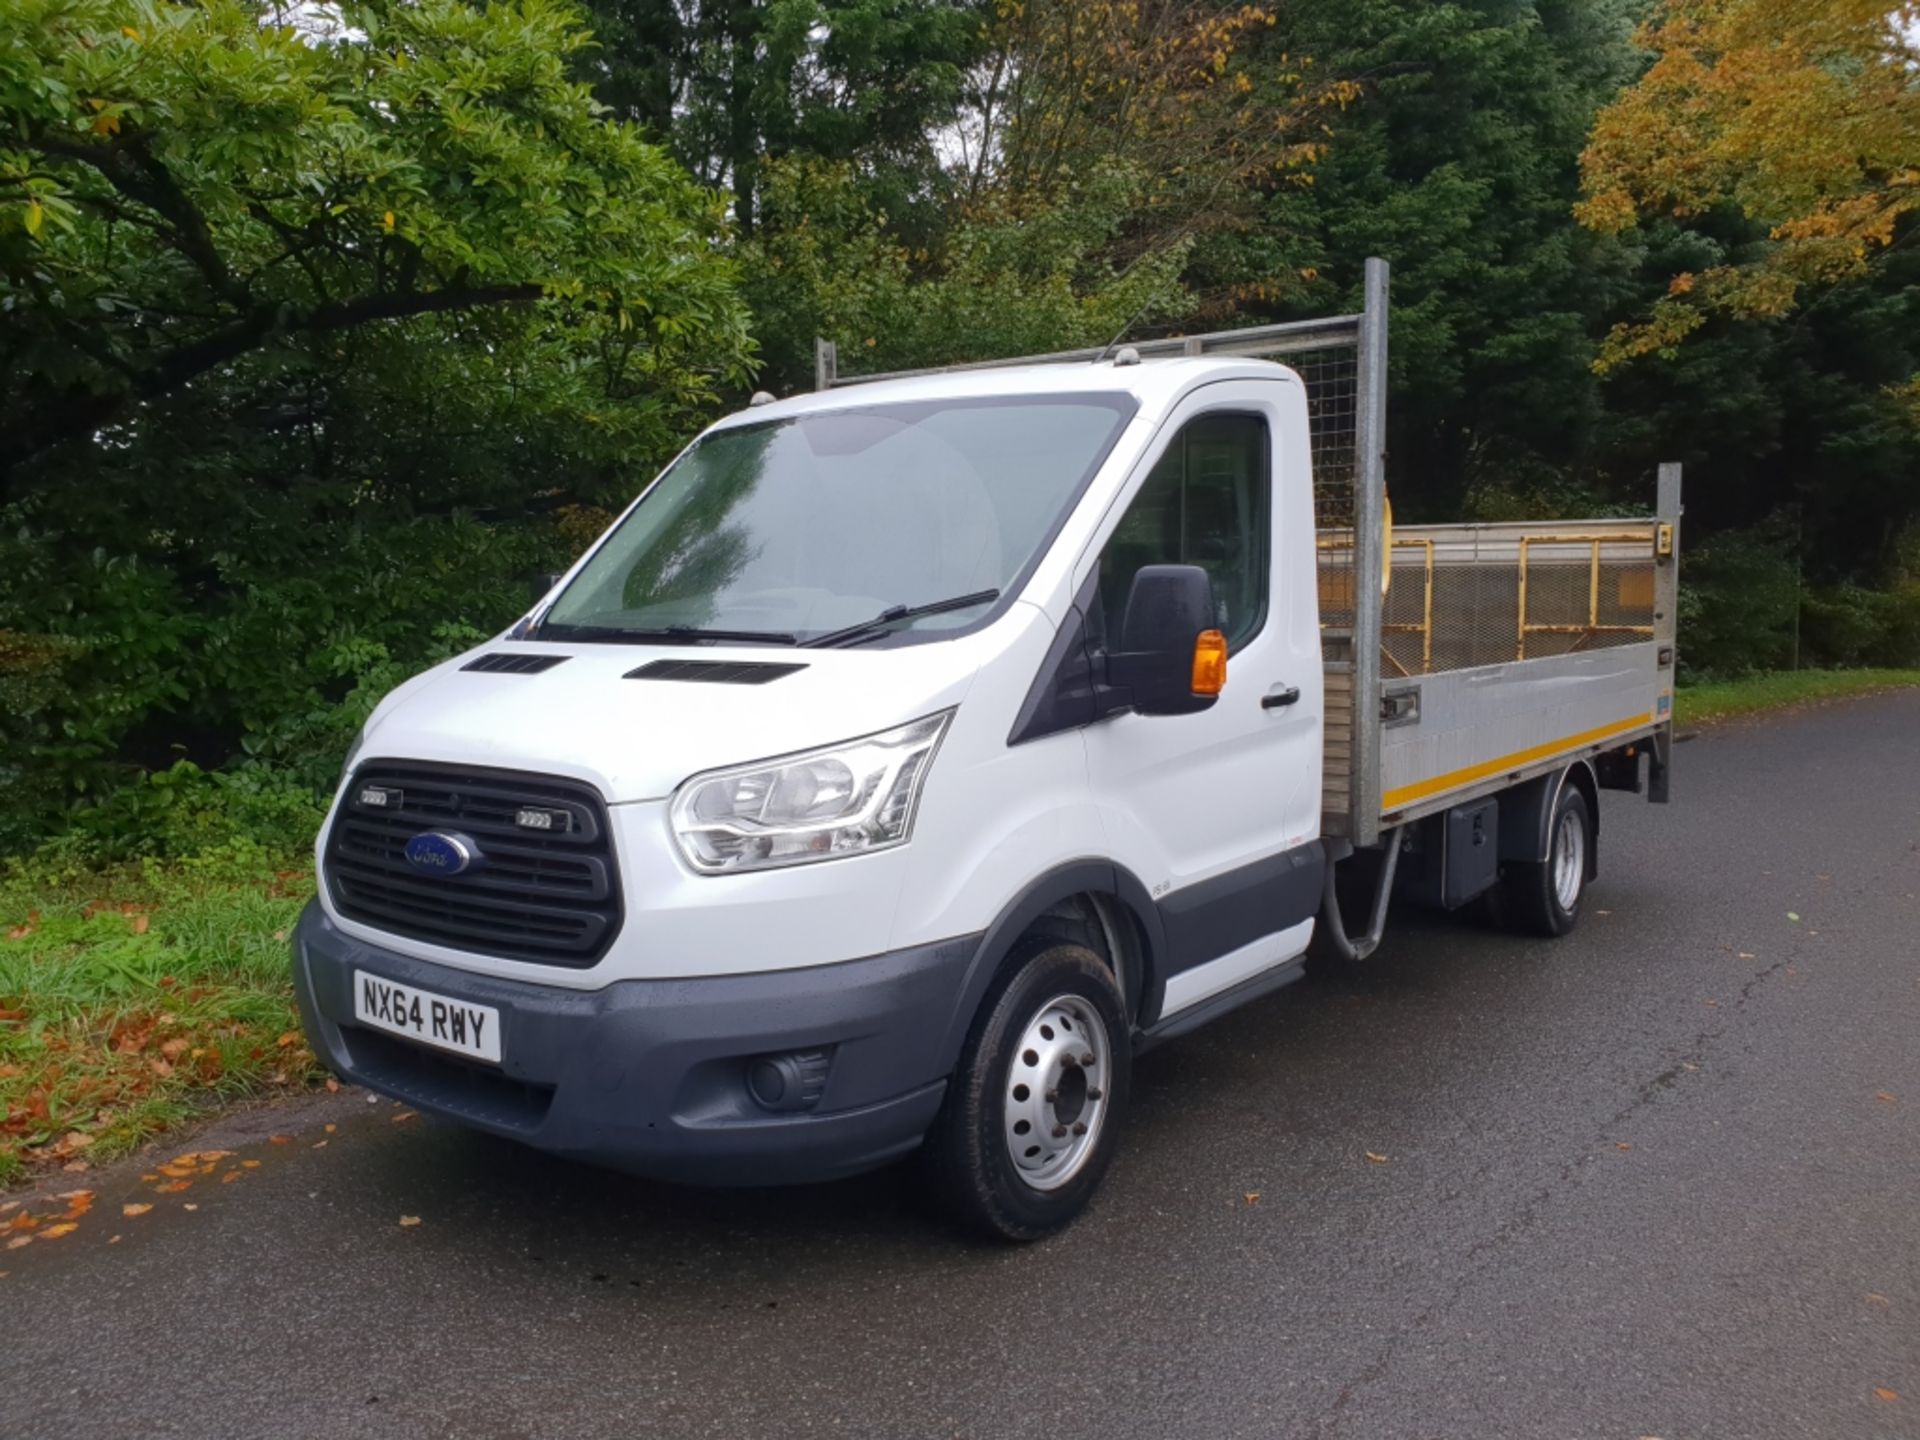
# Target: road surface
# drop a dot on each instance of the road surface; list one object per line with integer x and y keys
{"x": 1658, "y": 1179}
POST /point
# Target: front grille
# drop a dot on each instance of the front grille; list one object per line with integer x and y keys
{"x": 550, "y": 896}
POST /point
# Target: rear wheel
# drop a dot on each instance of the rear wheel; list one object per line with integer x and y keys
{"x": 1031, "y": 1117}
{"x": 1543, "y": 897}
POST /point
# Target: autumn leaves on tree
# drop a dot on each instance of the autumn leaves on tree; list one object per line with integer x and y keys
{"x": 1804, "y": 114}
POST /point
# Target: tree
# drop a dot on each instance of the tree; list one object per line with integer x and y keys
{"x": 182, "y": 186}
{"x": 313, "y": 349}
{"x": 1803, "y": 115}
{"x": 1456, "y": 161}
{"x": 732, "y": 85}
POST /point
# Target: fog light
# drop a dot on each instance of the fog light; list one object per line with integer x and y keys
{"x": 793, "y": 1081}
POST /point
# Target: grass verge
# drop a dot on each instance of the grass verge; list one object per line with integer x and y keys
{"x": 1723, "y": 700}
{"x": 131, "y": 997}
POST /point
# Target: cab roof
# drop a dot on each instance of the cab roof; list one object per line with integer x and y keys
{"x": 1154, "y": 384}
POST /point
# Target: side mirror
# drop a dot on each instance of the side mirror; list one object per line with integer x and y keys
{"x": 1171, "y": 659}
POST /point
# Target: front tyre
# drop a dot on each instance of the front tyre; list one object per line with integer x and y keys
{"x": 1544, "y": 898}
{"x": 1031, "y": 1117}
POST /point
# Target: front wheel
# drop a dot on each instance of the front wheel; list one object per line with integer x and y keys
{"x": 1031, "y": 1117}
{"x": 1544, "y": 897}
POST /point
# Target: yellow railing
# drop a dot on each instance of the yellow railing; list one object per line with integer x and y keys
{"x": 1425, "y": 628}
{"x": 1593, "y": 627}
{"x": 1339, "y": 595}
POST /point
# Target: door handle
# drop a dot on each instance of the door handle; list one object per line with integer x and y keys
{"x": 1280, "y": 698}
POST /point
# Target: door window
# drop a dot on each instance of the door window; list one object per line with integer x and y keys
{"x": 1206, "y": 503}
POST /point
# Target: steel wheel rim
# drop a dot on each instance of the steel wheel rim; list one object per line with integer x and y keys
{"x": 1055, "y": 1101}
{"x": 1569, "y": 860}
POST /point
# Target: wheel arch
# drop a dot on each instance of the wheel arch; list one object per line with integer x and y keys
{"x": 1526, "y": 813}
{"x": 1129, "y": 936}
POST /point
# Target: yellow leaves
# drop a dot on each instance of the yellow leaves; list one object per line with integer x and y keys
{"x": 1881, "y": 1392}
{"x": 36, "y": 218}
{"x": 106, "y": 125}
{"x": 132, "y": 34}
{"x": 387, "y": 222}
{"x": 1376, "y": 1158}
{"x": 408, "y": 1221}
{"x": 1802, "y": 116}
{"x": 133, "y": 1210}
{"x": 54, "y": 1232}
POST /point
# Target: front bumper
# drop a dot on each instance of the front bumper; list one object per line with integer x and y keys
{"x": 650, "y": 1075}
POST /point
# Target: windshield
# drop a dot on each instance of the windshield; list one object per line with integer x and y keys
{"x": 797, "y": 528}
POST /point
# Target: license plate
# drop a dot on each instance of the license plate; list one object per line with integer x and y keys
{"x": 431, "y": 1019}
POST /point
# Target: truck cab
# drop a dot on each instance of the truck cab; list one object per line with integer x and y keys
{"x": 733, "y": 863}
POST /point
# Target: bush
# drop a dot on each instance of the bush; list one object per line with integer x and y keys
{"x": 1738, "y": 596}
{"x": 1850, "y": 626}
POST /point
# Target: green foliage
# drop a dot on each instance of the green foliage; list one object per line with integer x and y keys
{"x": 1738, "y": 598}
{"x": 1849, "y": 625}
{"x": 733, "y": 84}
{"x": 1003, "y": 281}
{"x": 311, "y": 346}
{"x": 202, "y": 183}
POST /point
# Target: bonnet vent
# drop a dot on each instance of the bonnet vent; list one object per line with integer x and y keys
{"x": 501, "y": 663}
{"x": 715, "y": 672}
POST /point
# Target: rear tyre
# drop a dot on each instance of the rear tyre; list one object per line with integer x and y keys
{"x": 1032, "y": 1113}
{"x": 1543, "y": 897}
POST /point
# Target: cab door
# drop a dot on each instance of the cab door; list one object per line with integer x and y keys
{"x": 1217, "y": 812}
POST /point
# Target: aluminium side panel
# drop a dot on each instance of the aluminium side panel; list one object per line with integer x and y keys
{"x": 1467, "y": 733}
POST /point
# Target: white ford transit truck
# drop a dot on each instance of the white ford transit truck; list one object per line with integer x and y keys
{"x": 912, "y": 754}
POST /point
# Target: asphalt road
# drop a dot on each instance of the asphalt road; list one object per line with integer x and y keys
{"x": 1657, "y": 1179}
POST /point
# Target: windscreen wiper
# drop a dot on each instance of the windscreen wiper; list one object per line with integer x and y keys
{"x": 867, "y": 629}
{"x": 664, "y": 635}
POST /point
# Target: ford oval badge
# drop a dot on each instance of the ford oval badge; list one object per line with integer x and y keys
{"x": 439, "y": 853}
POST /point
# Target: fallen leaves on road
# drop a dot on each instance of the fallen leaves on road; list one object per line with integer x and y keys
{"x": 174, "y": 1187}
{"x": 1376, "y": 1159}
{"x": 409, "y": 1220}
{"x": 54, "y": 1232}
{"x": 405, "y": 1115}
{"x": 1873, "y": 1299}
{"x": 1253, "y": 1197}
{"x": 1885, "y": 1394}
{"x": 1623, "y": 1144}
{"x": 280, "y": 1139}
{"x": 1886, "y": 1095}
{"x": 1794, "y": 916}
{"x": 138, "y": 1208}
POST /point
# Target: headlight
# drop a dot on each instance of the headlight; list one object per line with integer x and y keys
{"x": 847, "y": 799}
